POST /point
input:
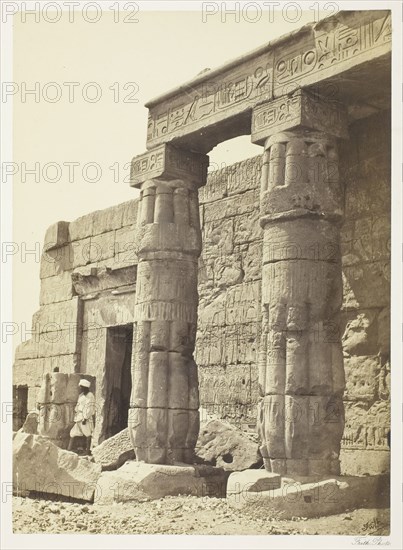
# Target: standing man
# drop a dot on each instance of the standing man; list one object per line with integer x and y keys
{"x": 83, "y": 418}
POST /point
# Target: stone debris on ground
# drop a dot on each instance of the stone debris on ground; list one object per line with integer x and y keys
{"x": 182, "y": 515}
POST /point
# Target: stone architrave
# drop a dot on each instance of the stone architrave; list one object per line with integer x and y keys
{"x": 163, "y": 415}
{"x": 301, "y": 374}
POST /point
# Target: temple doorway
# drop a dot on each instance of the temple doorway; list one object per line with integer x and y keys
{"x": 117, "y": 379}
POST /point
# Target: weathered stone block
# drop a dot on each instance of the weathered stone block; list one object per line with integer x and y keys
{"x": 28, "y": 349}
{"x": 64, "y": 363}
{"x": 130, "y": 212}
{"x": 109, "y": 310}
{"x": 57, "y": 399}
{"x": 231, "y": 206}
{"x": 60, "y": 342}
{"x": 53, "y": 388}
{"x": 115, "y": 451}
{"x": 313, "y": 499}
{"x": 227, "y": 271}
{"x": 56, "y": 289}
{"x": 32, "y": 404}
{"x": 55, "y": 317}
{"x": 56, "y": 235}
{"x": 56, "y": 421}
{"x": 30, "y": 371}
{"x": 222, "y": 445}
{"x": 168, "y": 162}
{"x": 361, "y": 376}
{"x": 108, "y": 219}
{"x": 30, "y": 425}
{"x": 78, "y": 253}
{"x": 93, "y": 350}
{"x": 303, "y": 109}
{"x": 82, "y": 227}
{"x": 244, "y": 175}
{"x": 43, "y": 467}
{"x": 92, "y": 279}
{"x": 218, "y": 238}
{"x": 360, "y": 335}
{"x": 247, "y": 227}
{"x": 102, "y": 247}
{"x": 254, "y": 481}
{"x": 126, "y": 246}
{"x": 136, "y": 481}
{"x": 364, "y": 462}
{"x": 216, "y": 187}
{"x": 55, "y": 261}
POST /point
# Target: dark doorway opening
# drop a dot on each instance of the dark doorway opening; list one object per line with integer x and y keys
{"x": 20, "y": 406}
{"x": 118, "y": 382}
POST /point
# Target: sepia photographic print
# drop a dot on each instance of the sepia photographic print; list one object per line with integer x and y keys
{"x": 201, "y": 244}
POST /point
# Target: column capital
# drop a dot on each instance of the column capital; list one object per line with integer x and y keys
{"x": 167, "y": 162}
{"x": 298, "y": 110}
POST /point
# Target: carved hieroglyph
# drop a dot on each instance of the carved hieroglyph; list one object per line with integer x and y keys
{"x": 163, "y": 415}
{"x": 301, "y": 375}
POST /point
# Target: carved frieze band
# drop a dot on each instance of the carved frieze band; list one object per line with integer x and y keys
{"x": 304, "y": 59}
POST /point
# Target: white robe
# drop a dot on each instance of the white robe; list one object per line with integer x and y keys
{"x": 85, "y": 410}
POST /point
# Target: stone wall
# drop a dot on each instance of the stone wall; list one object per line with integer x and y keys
{"x": 366, "y": 307}
{"x": 88, "y": 276}
{"x": 87, "y": 273}
{"x": 229, "y": 289}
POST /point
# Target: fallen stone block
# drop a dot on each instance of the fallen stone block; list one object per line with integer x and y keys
{"x": 30, "y": 425}
{"x": 41, "y": 466}
{"x": 224, "y": 446}
{"x": 115, "y": 451}
{"x": 138, "y": 481}
{"x": 253, "y": 481}
{"x": 311, "y": 499}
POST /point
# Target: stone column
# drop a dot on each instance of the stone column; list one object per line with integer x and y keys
{"x": 301, "y": 374}
{"x": 163, "y": 415}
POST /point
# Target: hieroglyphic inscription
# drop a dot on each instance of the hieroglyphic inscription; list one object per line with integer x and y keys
{"x": 168, "y": 162}
{"x": 299, "y": 109}
{"x": 213, "y": 100}
{"x": 274, "y": 70}
{"x": 331, "y": 47}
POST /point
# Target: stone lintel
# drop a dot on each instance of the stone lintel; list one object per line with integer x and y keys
{"x": 329, "y": 55}
{"x": 298, "y": 110}
{"x": 167, "y": 162}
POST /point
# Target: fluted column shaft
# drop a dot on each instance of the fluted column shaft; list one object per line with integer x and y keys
{"x": 163, "y": 416}
{"x": 301, "y": 374}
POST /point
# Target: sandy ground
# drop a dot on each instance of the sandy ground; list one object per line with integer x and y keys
{"x": 182, "y": 515}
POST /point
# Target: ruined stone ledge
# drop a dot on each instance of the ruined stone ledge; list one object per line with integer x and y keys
{"x": 138, "y": 481}
{"x": 310, "y": 497}
{"x": 96, "y": 279}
